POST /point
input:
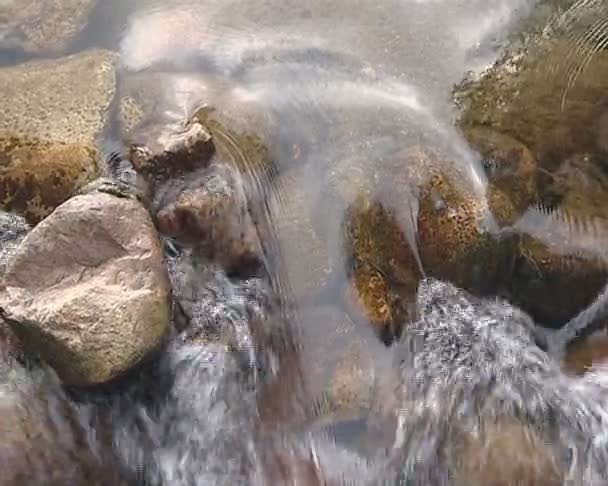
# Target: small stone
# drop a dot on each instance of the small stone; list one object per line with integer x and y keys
{"x": 50, "y": 115}
{"x": 88, "y": 291}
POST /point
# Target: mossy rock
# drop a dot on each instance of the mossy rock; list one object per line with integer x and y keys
{"x": 551, "y": 93}
{"x": 50, "y": 117}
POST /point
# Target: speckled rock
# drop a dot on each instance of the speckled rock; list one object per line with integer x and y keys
{"x": 50, "y": 115}
{"x": 511, "y": 171}
{"x": 419, "y": 209}
{"x": 87, "y": 290}
{"x": 40, "y": 26}
{"x": 457, "y": 235}
{"x": 384, "y": 272}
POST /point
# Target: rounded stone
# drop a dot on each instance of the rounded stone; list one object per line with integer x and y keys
{"x": 87, "y": 290}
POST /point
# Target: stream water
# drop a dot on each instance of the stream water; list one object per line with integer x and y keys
{"x": 340, "y": 93}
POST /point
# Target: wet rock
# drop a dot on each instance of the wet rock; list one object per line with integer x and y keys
{"x": 511, "y": 171}
{"x": 210, "y": 213}
{"x": 549, "y": 89}
{"x": 416, "y": 210}
{"x": 508, "y": 453}
{"x": 38, "y": 26}
{"x": 384, "y": 273}
{"x": 13, "y": 230}
{"x": 553, "y": 284}
{"x": 561, "y": 256}
{"x": 579, "y": 187}
{"x": 582, "y": 356}
{"x": 87, "y": 290}
{"x": 456, "y": 232}
{"x": 204, "y": 185}
{"x": 51, "y": 114}
{"x": 339, "y": 357}
{"x": 349, "y": 391}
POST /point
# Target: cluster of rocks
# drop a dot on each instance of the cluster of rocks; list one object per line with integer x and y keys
{"x": 92, "y": 290}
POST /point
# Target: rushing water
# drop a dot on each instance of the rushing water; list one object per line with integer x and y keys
{"x": 333, "y": 89}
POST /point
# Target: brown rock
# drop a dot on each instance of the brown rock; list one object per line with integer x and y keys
{"x": 550, "y": 92}
{"x": 562, "y": 256}
{"x": 87, "y": 289}
{"x": 505, "y": 454}
{"x": 50, "y": 115}
{"x": 40, "y": 26}
{"x": 511, "y": 171}
{"x": 456, "y": 231}
{"x": 384, "y": 273}
{"x": 584, "y": 355}
{"x": 551, "y": 284}
{"x": 338, "y": 359}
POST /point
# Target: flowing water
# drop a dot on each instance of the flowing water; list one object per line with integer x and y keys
{"x": 343, "y": 94}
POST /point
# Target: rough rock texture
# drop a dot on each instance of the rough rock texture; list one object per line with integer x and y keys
{"x": 50, "y": 114}
{"x": 13, "y": 230}
{"x": 87, "y": 289}
{"x": 40, "y": 26}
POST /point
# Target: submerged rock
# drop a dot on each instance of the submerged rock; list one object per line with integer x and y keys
{"x": 511, "y": 171}
{"x": 583, "y": 356}
{"x": 50, "y": 115}
{"x": 561, "y": 256}
{"x": 87, "y": 290}
{"x": 40, "y": 26}
{"x": 549, "y": 89}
